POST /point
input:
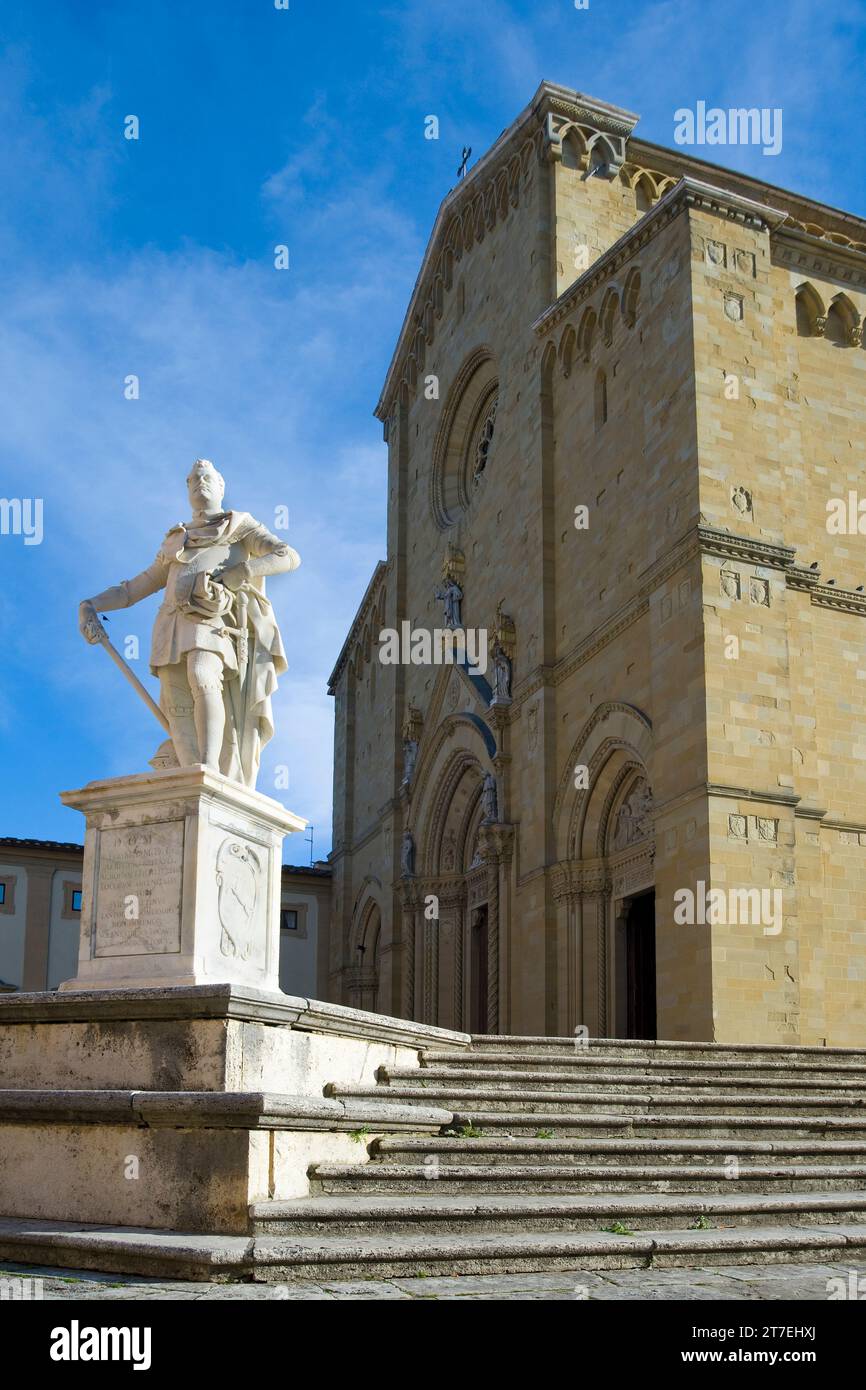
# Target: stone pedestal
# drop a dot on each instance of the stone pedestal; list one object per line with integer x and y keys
{"x": 181, "y": 881}
{"x": 139, "y": 1125}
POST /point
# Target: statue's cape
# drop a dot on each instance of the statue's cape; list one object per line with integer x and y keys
{"x": 251, "y": 723}
{"x": 186, "y": 536}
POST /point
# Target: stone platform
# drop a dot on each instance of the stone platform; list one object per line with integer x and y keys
{"x": 224, "y": 1133}
{"x": 178, "y": 1108}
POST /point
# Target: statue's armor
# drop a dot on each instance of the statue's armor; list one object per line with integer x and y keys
{"x": 183, "y": 623}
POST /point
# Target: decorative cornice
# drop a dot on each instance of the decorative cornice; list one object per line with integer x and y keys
{"x": 798, "y": 577}
{"x": 794, "y": 247}
{"x": 715, "y": 541}
{"x": 596, "y": 123}
{"x": 845, "y": 600}
{"x": 769, "y": 794}
{"x": 848, "y": 827}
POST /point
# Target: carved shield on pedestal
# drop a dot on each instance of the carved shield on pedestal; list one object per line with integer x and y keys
{"x": 238, "y": 875}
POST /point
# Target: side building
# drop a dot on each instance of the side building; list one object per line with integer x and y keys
{"x": 40, "y": 915}
{"x": 624, "y": 416}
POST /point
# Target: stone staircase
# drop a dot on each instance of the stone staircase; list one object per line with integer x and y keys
{"x": 606, "y": 1154}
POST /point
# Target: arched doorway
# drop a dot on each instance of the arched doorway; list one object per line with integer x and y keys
{"x": 364, "y": 980}
{"x": 455, "y": 972}
{"x": 605, "y": 879}
{"x": 479, "y": 947}
{"x": 636, "y": 968}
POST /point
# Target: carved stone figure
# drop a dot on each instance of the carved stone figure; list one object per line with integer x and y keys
{"x": 634, "y": 821}
{"x": 216, "y": 647}
{"x": 489, "y": 800}
{"x": 413, "y": 724}
{"x": 449, "y": 852}
{"x": 451, "y": 596}
{"x": 407, "y": 854}
{"x": 501, "y": 674}
{"x": 410, "y": 757}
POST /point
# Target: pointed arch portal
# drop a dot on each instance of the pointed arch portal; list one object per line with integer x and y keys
{"x": 605, "y": 884}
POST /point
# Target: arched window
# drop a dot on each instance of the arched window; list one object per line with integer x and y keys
{"x": 842, "y": 322}
{"x": 607, "y": 318}
{"x": 810, "y": 312}
{"x": 644, "y": 194}
{"x": 586, "y": 333}
{"x": 600, "y": 398}
{"x": 631, "y": 297}
{"x": 567, "y": 350}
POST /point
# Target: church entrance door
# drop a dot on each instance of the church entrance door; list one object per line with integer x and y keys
{"x": 640, "y": 965}
{"x": 478, "y": 984}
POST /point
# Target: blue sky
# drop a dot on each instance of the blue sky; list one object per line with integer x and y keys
{"x": 154, "y": 257}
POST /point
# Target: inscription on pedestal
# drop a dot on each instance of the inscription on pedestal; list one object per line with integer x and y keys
{"x": 139, "y": 890}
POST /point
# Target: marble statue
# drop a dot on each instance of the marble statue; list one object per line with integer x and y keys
{"x": 451, "y": 597}
{"x": 410, "y": 758}
{"x": 489, "y": 799}
{"x": 501, "y": 674}
{"x": 407, "y": 854}
{"x": 216, "y": 647}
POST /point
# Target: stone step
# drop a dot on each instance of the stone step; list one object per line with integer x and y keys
{"x": 641, "y": 1125}
{"x": 581, "y": 1059}
{"x": 504, "y": 1212}
{"x": 551, "y": 1150}
{"x": 584, "y": 1100}
{"x": 511, "y": 1078}
{"x": 665, "y": 1051}
{"x": 456, "y": 1177}
{"x": 329, "y": 1256}
{"x": 379, "y": 1109}
{"x": 275, "y": 1259}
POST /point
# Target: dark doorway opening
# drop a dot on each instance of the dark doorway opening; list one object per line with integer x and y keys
{"x": 640, "y": 967}
{"x": 478, "y": 971}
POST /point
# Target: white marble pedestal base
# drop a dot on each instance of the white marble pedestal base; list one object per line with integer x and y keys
{"x": 181, "y": 883}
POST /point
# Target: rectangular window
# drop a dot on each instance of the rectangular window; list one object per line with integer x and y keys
{"x": 76, "y": 900}
{"x": 2, "y": 892}
{"x": 289, "y": 919}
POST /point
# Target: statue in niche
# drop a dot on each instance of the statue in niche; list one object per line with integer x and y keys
{"x": 412, "y": 726}
{"x": 451, "y": 597}
{"x": 489, "y": 800}
{"x": 216, "y": 647}
{"x": 407, "y": 855}
{"x": 501, "y": 674}
{"x": 410, "y": 757}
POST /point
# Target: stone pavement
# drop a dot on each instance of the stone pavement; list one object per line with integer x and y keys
{"x": 744, "y": 1283}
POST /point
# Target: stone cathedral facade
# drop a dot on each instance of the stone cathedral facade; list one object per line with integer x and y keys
{"x": 624, "y": 418}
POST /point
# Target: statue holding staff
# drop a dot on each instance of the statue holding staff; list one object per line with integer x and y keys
{"x": 216, "y": 647}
